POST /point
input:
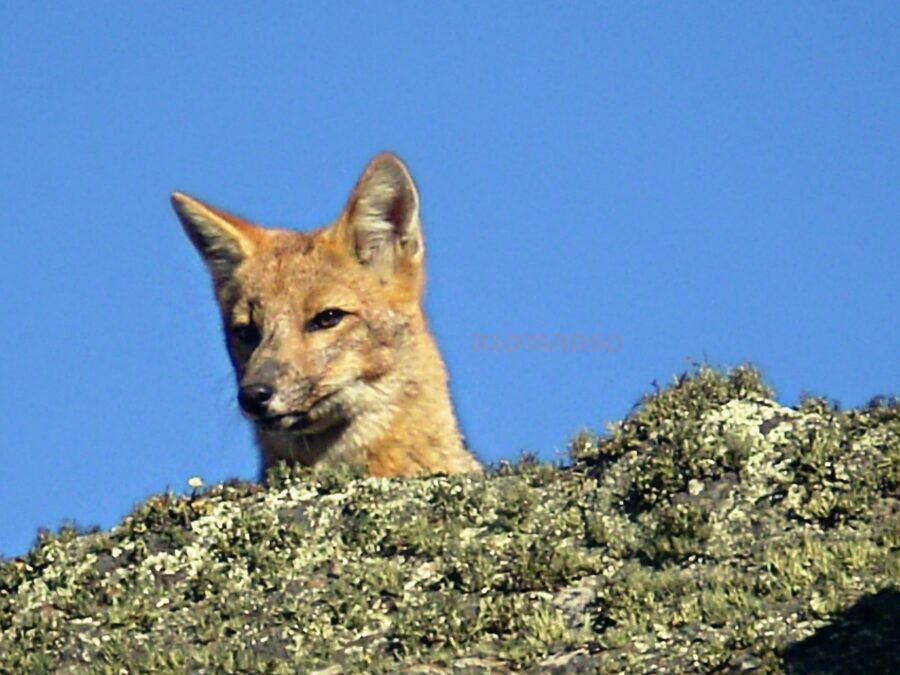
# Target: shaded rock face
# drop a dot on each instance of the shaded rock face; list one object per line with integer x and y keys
{"x": 711, "y": 530}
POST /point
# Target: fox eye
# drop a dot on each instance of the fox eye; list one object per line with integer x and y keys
{"x": 327, "y": 318}
{"x": 247, "y": 334}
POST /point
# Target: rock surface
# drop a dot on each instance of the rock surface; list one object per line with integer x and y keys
{"x": 713, "y": 530}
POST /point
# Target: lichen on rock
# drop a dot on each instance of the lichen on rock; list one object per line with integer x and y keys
{"x": 711, "y": 530}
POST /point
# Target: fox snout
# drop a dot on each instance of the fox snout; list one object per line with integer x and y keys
{"x": 258, "y": 392}
{"x": 254, "y": 398}
{"x": 277, "y": 398}
{"x": 265, "y": 405}
{"x": 257, "y": 388}
{"x": 261, "y": 402}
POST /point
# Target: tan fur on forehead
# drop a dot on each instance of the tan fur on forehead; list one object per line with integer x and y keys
{"x": 285, "y": 256}
{"x": 290, "y": 242}
{"x": 288, "y": 262}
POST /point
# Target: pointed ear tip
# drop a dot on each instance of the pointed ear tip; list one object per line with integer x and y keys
{"x": 179, "y": 199}
{"x": 388, "y": 158}
{"x": 185, "y": 205}
{"x": 386, "y": 155}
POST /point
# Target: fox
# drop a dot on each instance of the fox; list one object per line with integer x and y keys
{"x": 326, "y": 331}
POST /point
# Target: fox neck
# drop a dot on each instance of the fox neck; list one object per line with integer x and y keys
{"x": 402, "y": 424}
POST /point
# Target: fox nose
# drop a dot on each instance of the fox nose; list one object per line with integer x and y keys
{"x": 254, "y": 398}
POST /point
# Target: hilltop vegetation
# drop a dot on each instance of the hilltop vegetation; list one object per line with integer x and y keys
{"x": 713, "y": 530}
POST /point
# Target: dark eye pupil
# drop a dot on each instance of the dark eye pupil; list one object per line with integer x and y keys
{"x": 328, "y": 318}
{"x": 247, "y": 335}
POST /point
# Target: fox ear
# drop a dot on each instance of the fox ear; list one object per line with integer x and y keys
{"x": 223, "y": 240}
{"x": 380, "y": 223}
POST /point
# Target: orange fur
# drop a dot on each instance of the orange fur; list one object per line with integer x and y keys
{"x": 371, "y": 389}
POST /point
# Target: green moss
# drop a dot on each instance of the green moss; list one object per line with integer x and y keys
{"x": 712, "y": 529}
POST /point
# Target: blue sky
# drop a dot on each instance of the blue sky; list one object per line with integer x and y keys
{"x": 701, "y": 180}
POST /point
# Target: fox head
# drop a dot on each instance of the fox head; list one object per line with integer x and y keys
{"x": 310, "y": 344}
